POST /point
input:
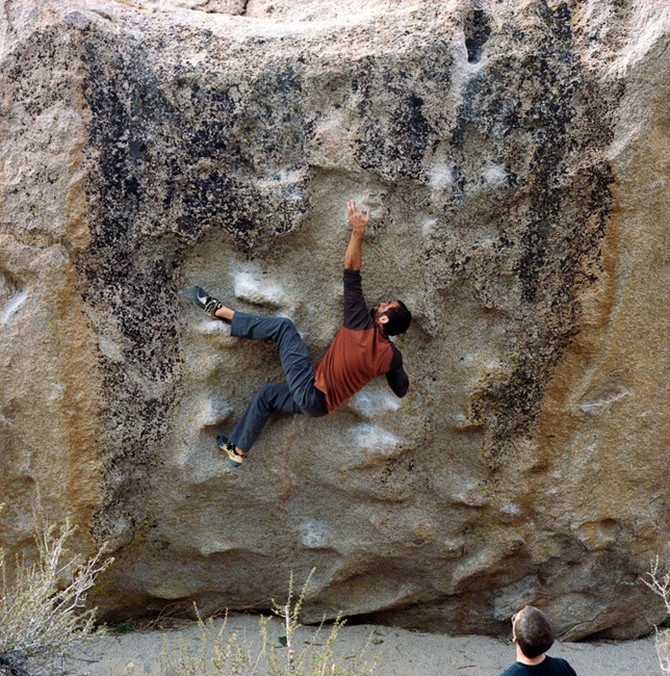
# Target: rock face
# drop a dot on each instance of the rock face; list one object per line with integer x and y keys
{"x": 515, "y": 158}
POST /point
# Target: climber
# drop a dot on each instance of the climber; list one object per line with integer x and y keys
{"x": 360, "y": 352}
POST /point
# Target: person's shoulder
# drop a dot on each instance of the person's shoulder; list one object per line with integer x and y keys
{"x": 517, "y": 669}
{"x": 560, "y": 666}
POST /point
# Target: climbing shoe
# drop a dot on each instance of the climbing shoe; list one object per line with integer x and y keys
{"x": 228, "y": 447}
{"x": 207, "y": 303}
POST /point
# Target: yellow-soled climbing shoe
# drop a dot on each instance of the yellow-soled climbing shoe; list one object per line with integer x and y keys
{"x": 228, "y": 447}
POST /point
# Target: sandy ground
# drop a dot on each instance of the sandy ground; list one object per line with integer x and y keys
{"x": 400, "y": 652}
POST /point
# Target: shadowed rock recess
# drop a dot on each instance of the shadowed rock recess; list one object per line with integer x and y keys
{"x": 515, "y": 158}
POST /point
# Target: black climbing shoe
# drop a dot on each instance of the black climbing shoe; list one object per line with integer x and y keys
{"x": 207, "y": 303}
{"x": 228, "y": 447}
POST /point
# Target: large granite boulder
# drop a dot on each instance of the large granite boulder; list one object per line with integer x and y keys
{"x": 515, "y": 158}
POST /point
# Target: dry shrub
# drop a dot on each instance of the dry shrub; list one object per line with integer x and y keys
{"x": 42, "y": 616}
{"x": 658, "y": 580}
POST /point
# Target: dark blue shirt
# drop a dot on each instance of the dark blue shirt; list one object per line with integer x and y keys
{"x": 550, "y": 666}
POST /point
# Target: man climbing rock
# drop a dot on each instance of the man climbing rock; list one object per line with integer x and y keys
{"x": 360, "y": 352}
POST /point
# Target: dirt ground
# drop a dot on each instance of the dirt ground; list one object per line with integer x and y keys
{"x": 399, "y": 652}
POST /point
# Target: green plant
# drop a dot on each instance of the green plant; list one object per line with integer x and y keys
{"x": 41, "y": 604}
{"x": 658, "y": 580}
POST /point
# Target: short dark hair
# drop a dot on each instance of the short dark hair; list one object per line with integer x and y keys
{"x": 534, "y": 632}
{"x": 398, "y": 319}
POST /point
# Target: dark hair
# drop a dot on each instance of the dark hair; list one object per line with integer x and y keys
{"x": 534, "y": 632}
{"x": 398, "y": 319}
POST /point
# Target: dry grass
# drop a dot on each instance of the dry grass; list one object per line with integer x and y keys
{"x": 279, "y": 652}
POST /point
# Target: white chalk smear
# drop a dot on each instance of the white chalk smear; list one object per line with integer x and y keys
{"x": 12, "y": 306}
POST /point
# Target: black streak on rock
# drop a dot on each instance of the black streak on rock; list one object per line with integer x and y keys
{"x": 477, "y": 31}
{"x": 530, "y": 101}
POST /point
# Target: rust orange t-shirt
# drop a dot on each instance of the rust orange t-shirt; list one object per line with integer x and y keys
{"x": 360, "y": 352}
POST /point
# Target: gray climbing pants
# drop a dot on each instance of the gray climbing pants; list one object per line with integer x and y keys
{"x": 297, "y": 395}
